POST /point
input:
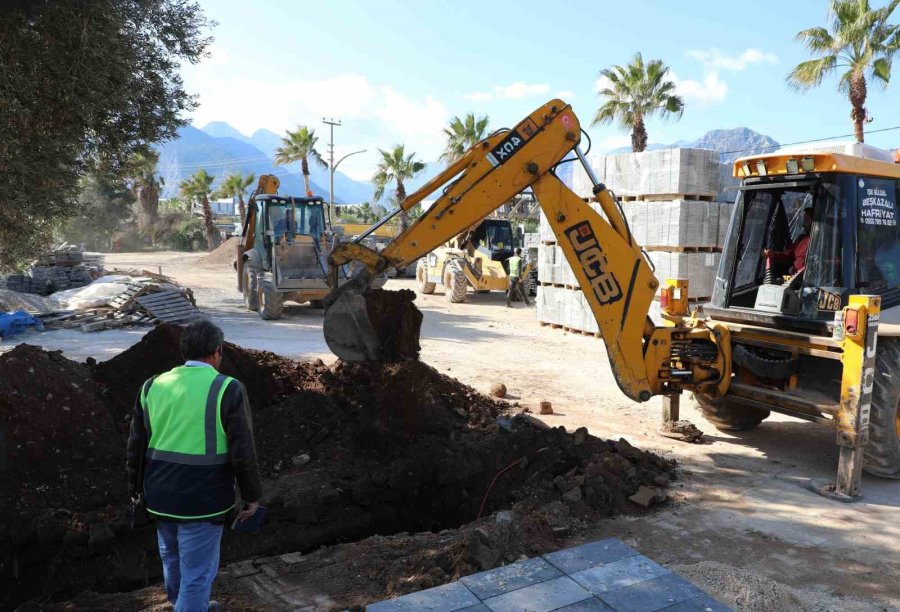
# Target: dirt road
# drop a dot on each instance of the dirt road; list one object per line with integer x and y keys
{"x": 741, "y": 501}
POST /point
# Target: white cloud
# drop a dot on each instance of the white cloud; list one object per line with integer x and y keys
{"x": 708, "y": 92}
{"x": 602, "y": 83}
{"x": 478, "y": 97}
{"x": 513, "y": 91}
{"x": 715, "y": 59}
{"x": 566, "y": 94}
{"x": 613, "y": 142}
{"x": 375, "y": 115}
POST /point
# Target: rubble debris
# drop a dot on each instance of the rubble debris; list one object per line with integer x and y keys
{"x": 646, "y": 496}
{"x": 135, "y": 297}
{"x": 546, "y": 407}
{"x": 345, "y": 452}
{"x": 498, "y": 390}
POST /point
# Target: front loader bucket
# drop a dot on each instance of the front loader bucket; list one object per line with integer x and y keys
{"x": 364, "y": 324}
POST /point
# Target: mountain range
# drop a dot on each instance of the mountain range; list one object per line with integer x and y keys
{"x": 221, "y": 149}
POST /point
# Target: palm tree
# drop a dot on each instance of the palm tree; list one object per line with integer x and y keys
{"x": 635, "y": 93}
{"x": 395, "y": 166}
{"x": 145, "y": 188}
{"x": 300, "y": 146}
{"x": 861, "y": 41}
{"x": 366, "y": 214}
{"x": 462, "y": 135}
{"x": 234, "y": 186}
{"x": 198, "y": 187}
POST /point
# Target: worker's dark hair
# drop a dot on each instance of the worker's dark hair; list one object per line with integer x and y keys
{"x": 518, "y": 251}
{"x": 201, "y": 339}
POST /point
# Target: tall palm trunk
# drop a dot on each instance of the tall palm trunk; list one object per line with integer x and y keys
{"x": 304, "y": 166}
{"x": 858, "y": 101}
{"x": 242, "y": 209}
{"x": 401, "y": 195}
{"x": 212, "y": 234}
{"x": 638, "y": 134}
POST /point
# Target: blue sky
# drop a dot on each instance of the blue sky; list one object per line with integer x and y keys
{"x": 396, "y": 72}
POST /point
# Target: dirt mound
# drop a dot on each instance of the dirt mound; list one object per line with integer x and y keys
{"x": 266, "y": 375}
{"x": 60, "y": 452}
{"x": 222, "y": 255}
{"x": 346, "y": 452}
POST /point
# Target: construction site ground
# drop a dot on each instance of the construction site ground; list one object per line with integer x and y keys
{"x": 739, "y": 521}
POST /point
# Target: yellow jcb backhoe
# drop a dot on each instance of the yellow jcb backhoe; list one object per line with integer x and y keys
{"x": 748, "y": 353}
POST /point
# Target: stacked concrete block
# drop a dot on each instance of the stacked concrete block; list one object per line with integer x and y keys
{"x": 551, "y": 305}
{"x": 660, "y": 172}
{"x": 698, "y": 268}
{"x": 726, "y": 209}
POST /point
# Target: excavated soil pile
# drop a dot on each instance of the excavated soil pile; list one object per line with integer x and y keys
{"x": 223, "y": 254}
{"x": 266, "y": 376}
{"x": 385, "y": 308}
{"x": 346, "y": 452}
{"x": 59, "y": 449}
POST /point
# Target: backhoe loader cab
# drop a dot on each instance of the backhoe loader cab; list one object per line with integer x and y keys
{"x": 476, "y": 258}
{"x": 811, "y": 229}
{"x": 282, "y": 253}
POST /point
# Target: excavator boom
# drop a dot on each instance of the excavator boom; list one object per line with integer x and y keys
{"x": 615, "y": 277}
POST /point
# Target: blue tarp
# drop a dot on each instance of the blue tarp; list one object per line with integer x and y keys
{"x": 12, "y": 323}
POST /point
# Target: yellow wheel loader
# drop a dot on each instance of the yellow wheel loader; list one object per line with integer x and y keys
{"x": 783, "y": 333}
{"x": 476, "y": 258}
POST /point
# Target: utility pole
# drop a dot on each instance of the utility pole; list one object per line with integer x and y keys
{"x": 331, "y": 210}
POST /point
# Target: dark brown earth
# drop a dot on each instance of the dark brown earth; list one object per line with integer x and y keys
{"x": 396, "y": 321}
{"x": 346, "y": 452}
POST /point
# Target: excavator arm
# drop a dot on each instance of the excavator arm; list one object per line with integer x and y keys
{"x": 611, "y": 268}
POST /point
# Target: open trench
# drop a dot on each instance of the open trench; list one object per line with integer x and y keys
{"x": 345, "y": 452}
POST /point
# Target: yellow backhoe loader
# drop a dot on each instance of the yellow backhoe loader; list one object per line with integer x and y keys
{"x": 799, "y": 342}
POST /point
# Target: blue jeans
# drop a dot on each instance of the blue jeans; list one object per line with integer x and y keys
{"x": 190, "y": 559}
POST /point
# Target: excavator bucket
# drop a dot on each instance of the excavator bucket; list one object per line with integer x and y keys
{"x": 365, "y": 324}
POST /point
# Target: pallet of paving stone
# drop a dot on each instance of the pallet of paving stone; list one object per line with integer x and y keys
{"x": 168, "y": 306}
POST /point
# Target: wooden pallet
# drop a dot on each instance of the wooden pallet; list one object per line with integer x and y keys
{"x": 168, "y": 306}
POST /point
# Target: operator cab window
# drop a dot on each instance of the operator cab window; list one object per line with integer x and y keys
{"x": 878, "y": 246}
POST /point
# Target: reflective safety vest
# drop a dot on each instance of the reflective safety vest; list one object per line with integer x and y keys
{"x": 186, "y": 476}
{"x": 515, "y": 266}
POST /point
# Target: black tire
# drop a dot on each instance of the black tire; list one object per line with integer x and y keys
{"x": 271, "y": 302}
{"x": 881, "y": 455}
{"x": 425, "y": 287}
{"x": 317, "y": 303}
{"x": 729, "y": 416}
{"x": 250, "y": 287}
{"x": 455, "y": 284}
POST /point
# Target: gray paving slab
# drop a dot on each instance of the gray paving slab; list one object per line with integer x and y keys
{"x": 618, "y": 574}
{"x": 651, "y": 595}
{"x": 446, "y": 598}
{"x": 476, "y": 608}
{"x": 589, "y": 555}
{"x": 588, "y": 605}
{"x": 510, "y": 577}
{"x": 542, "y": 597}
{"x": 701, "y": 603}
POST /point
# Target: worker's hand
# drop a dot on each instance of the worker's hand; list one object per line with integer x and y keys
{"x": 248, "y": 511}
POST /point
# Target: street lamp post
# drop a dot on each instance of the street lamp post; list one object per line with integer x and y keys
{"x": 331, "y": 123}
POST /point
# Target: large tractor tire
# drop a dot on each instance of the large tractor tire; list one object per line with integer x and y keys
{"x": 729, "y": 416}
{"x": 455, "y": 283}
{"x": 250, "y": 286}
{"x": 271, "y": 302}
{"x": 882, "y": 453}
{"x": 425, "y": 287}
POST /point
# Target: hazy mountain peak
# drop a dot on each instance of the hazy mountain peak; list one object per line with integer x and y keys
{"x": 219, "y": 129}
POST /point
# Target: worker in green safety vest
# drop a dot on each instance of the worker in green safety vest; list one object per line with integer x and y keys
{"x": 191, "y": 439}
{"x": 515, "y": 291}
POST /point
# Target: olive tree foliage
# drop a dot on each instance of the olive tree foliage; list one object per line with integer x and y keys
{"x": 84, "y": 85}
